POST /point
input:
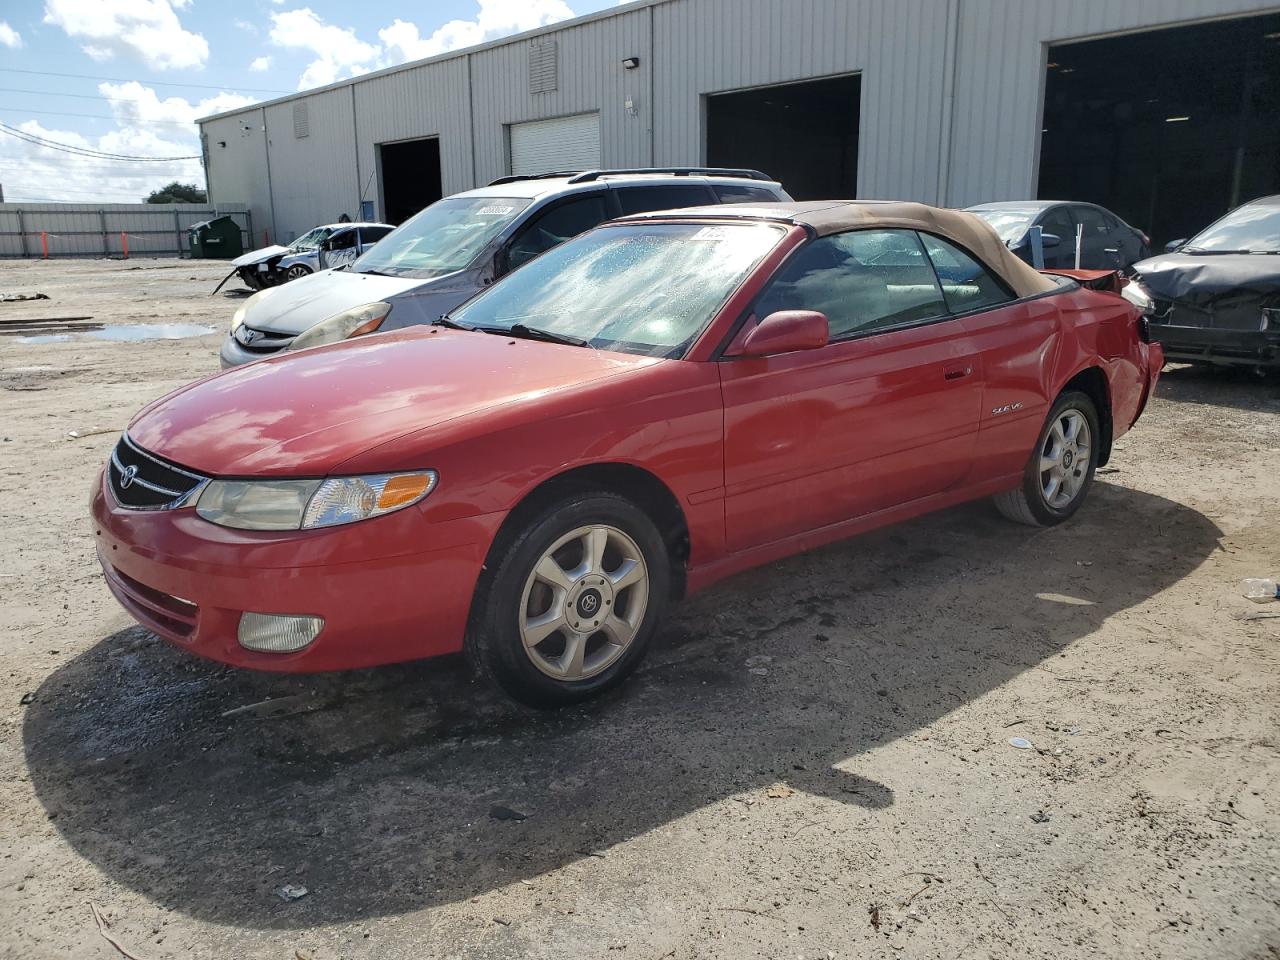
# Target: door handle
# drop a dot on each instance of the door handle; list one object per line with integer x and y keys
{"x": 957, "y": 373}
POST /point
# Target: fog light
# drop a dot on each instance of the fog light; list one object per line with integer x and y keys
{"x": 271, "y": 633}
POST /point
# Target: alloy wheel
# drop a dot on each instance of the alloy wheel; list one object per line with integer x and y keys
{"x": 1064, "y": 459}
{"x": 583, "y": 602}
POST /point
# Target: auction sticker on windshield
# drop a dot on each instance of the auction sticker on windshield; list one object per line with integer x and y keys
{"x": 494, "y": 211}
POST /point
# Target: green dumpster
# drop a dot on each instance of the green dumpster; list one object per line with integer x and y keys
{"x": 216, "y": 239}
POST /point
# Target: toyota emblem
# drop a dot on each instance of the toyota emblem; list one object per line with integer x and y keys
{"x": 126, "y": 477}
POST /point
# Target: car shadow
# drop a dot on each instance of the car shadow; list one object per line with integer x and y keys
{"x": 1237, "y": 387}
{"x": 386, "y": 791}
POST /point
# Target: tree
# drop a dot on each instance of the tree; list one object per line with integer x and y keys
{"x": 178, "y": 193}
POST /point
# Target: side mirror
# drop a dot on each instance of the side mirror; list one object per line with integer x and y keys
{"x": 1048, "y": 240}
{"x": 1173, "y": 245}
{"x": 786, "y": 331}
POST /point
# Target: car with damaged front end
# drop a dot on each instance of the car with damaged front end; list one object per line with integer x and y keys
{"x": 631, "y": 417}
{"x": 1216, "y": 297}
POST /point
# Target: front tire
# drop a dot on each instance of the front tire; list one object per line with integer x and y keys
{"x": 296, "y": 272}
{"x": 1060, "y": 470}
{"x": 573, "y": 602}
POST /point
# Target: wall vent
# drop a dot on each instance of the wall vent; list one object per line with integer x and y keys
{"x": 544, "y": 66}
{"x": 301, "y": 126}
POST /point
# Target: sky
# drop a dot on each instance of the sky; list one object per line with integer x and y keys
{"x": 129, "y": 77}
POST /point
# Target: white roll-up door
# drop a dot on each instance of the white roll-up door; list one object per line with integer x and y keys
{"x": 547, "y": 146}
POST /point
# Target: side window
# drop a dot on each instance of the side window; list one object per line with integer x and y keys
{"x": 1058, "y": 222}
{"x": 863, "y": 281}
{"x": 554, "y": 226}
{"x": 1095, "y": 224}
{"x": 644, "y": 199}
{"x": 371, "y": 235}
{"x": 966, "y": 283}
{"x": 342, "y": 240}
{"x": 742, "y": 193}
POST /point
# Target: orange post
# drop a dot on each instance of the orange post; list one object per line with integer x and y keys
{"x": 44, "y": 244}
{"x": 124, "y": 243}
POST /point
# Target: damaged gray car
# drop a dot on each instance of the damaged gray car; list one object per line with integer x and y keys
{"x": 320, "y": 248}
{"x": 1216, "y": 297}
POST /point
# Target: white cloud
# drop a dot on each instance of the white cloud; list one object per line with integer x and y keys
{"x": 338, "y": 50}
{"x": 260, "y": 64}
{"x": 39, "y": 172}
{"x": 496, "y": 18}
{"x": 147, "y": 30}
{"x": 9, "y": 37}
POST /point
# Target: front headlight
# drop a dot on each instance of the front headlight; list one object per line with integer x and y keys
{"x": 1135, "y": 294}
{"x": 238, "y": 317}
{"x": 350, "y": 323}
{"x": 306, "y": 504}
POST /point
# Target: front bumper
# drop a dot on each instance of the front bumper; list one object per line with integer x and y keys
{"x": 1254, "y": 348}
{"x": 234, "y": 353}
{"x": 188, "y": 581}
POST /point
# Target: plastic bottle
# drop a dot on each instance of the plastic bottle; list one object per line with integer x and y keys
{"x": 1261, "y": 591}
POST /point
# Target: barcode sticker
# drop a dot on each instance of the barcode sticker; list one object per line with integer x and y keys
{"x": 710, "y": 233}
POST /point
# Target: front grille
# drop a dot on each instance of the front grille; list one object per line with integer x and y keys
{"x": 1244, "y": 317}
{"x": 262, "y": 341}
{"x": 143, "y": 481}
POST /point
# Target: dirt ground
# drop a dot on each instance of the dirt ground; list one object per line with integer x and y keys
{"x": 814, "y": 762}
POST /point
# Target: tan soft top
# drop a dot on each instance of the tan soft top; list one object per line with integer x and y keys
{"x": 836, "y": 216}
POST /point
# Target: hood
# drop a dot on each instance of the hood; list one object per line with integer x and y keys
{"x": 257, "y": 256}
{"x": 302, "y": 303}
{"x": 1207, "y": 279}
{"x": 303, "y": 414}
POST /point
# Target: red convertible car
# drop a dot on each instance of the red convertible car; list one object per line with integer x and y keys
{"x": 629, "y": 418}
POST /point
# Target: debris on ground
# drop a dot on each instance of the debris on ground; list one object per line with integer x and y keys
{"x": 20, "y": 297}
{"x": 26, "y": 699}
{"x": 292, "y": 891}
{"x": 1022, "y": 743}
{"x": 103, "y": 926}
{"x": 274, "y": 708}
{"x": 1039, "y": 817}
{"x": 1258, "y": 589}
{"x": 778, "y": 791}
{"x": 499, "y": 812}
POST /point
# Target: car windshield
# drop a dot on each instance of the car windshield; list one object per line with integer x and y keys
{"x": 444, "y": 237}
{"x": 636, "y": 288}
{"x": 1009, "y": 223}
{"x": 310, "y": 240}
{"x": 1250, "y": 229}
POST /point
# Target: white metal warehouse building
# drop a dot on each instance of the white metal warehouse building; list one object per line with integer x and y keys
{"x": 1166, "y": 110}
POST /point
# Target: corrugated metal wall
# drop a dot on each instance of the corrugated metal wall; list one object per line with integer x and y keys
{"x": 93, "y": 229}
{"x": 951, "y": 95}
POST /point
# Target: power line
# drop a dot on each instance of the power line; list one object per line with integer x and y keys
{"x": 38, "y": 141}
{"x": 98, "y": 116}
{"x": 78, "y": 96}
{"x": 153, "y": 83}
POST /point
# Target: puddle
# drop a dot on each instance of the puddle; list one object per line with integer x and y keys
{"x": 135, "y": 332}
{"x": 126, "y": 333}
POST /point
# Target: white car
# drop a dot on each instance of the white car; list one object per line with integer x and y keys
{"x": 317, "y": 249}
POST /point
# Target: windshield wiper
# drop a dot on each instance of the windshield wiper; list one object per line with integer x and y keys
{"x": 444, "y": 320}
{"x": 375, "y": 273}
{"x": 536, "y": 333}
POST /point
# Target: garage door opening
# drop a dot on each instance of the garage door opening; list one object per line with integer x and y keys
{"x": 1169, "y": 128}
{"x": 410, "y": 177}
{"x": 803, "y": 134}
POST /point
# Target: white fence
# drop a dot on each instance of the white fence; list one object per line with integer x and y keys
{"x": 109, "y": 229}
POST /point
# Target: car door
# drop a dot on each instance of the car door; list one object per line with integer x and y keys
{"x": 885, "y": 413}
{"x": 1017, "y": 341}
{"x": 552, "y": 225}
{"x": 1058, "y": 221}
{"x": 1098, "y": 243}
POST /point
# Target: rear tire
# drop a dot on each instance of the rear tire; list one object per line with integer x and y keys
{"x": 1055, "y": 482}
{"x": 572, "y": 601}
